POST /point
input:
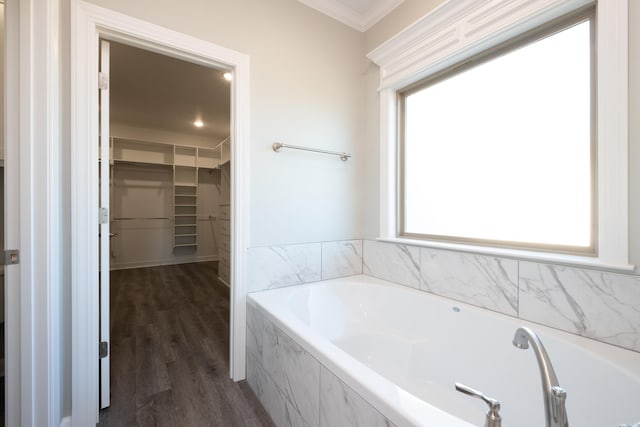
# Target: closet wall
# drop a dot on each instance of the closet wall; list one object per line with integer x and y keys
{"x": 165, "y": 198}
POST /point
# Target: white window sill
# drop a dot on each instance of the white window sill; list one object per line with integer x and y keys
{"x": 524, "y": 255}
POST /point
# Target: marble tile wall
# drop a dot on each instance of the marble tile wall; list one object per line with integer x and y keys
{"x": 596, "y": 304}
{"x": 340, "y": 405}
{"x": 294, "y": 388}
{"x": 343, "y": 258}
{"x": 271, "y": 267}
{"x": 396, "y": 263}
{"x": 484, "y": 281}
{"x": 284, "y": 377}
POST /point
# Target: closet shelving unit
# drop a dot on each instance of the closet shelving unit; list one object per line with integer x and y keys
{"x": 185, "y": 162}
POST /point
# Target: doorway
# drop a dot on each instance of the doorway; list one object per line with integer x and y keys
{"x": 164, "y": 179}
{"x": 91, "y": 23}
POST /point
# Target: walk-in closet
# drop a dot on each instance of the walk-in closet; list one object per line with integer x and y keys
{"x": 169, "y": 203}
{"x": 169, "y": 161}
{"x": 169, "y": 244}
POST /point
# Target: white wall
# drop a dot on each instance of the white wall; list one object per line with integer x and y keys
{"x": 306, "y": 89}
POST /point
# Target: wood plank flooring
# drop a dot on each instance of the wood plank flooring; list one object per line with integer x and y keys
{"x": 170, "y": 352}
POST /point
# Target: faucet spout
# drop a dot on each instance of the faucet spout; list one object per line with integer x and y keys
{"x": 554, "y": 395}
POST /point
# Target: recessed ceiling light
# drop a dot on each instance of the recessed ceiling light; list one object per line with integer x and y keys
{"x": 198, "y": 123}
{"x": 228, "y": 76}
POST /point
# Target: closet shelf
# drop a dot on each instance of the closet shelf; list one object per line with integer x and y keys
{"x": 141, "y": 163}
{"x": 186, "y": 235}
{"x": 185, "y": 245}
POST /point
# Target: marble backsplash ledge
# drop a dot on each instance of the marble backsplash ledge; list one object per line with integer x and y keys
{"x": 596, "y": 304}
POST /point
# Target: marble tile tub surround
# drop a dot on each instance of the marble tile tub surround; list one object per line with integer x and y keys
{"x": 456, "y": 275}
{"x": 392, "y": 262}
{"x": 271, "y": 267}
{"x": 600, "y": 305}
{"x": 596, "y": 304}
{"x": 296, "y": 389}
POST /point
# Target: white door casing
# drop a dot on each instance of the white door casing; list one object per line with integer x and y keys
{"x": 104, "y": 234}
{"x": 89, "y": 24}
{"x": 34, "y": 221}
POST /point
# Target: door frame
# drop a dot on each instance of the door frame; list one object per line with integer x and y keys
{"x": 89, "y": 23}
{"x": 33, "y": 149}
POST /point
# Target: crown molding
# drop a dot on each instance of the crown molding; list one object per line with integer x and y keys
{"x": 361, "y": 21}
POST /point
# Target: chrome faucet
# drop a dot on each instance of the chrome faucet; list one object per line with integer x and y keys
{"x": 554, "y": 395}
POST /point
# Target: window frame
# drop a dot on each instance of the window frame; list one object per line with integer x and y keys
{"x": 457, "y": 30}
{"x": 582, "y": 15}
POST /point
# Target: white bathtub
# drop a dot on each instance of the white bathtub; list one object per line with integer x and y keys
{"x": 402, "y": 350}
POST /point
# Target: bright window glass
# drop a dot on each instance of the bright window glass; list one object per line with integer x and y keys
{"x": 502, "y": 152}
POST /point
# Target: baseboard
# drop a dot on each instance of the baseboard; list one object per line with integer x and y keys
{"x": 158, "y": 263}
{"x": 66, "y": 422}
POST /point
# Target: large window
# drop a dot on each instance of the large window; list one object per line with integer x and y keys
{"x": 501, "y": 149}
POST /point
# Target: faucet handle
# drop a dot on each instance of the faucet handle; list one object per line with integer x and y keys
{"x": 493, "y": 416}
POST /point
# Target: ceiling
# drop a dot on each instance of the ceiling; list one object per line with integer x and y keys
{"x": 154, "y": 91}
{"x": 359, "y": 14}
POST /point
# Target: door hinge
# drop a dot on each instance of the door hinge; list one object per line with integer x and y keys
{"x": 11, "y": 256}
{"x": 103, "y": 81}
{"x": 104, "y": 349}
{"x": 103, "y": 216}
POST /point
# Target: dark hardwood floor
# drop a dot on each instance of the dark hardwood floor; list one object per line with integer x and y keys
{"x": 170, "y": 352}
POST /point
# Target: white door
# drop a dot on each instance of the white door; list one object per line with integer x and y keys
{"x": 105, "y": 350}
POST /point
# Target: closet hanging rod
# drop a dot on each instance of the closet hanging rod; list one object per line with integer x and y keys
{"x": 277, "y": 146}
{"x": 167, "y": 218}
